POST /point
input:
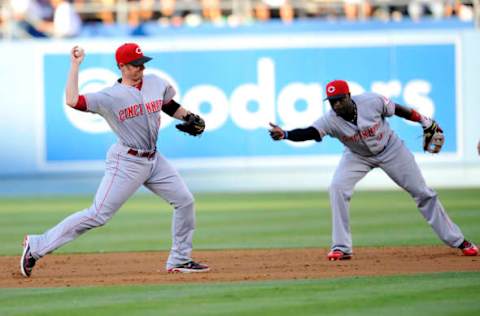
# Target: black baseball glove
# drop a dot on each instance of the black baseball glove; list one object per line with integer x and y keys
{"x": 193, "y": 124}
{"x": 433, "y": 138}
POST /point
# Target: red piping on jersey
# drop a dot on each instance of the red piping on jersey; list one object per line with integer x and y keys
{"x": 81, "y": 104}
{"x": 415, "y": 116}
{"x": 82, "y": 101}
{"x": 139, "y": 86}
{"x": 97, "y": 209}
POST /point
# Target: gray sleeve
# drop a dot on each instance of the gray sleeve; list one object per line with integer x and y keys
{"x": 96, "y": 101}
{"x": 387, "y": 106}
{"x": 322, "y": 126}
{"x": 169, "y": 90}
{"x": 169, "y": 93}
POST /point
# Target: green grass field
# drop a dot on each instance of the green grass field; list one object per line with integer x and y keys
{"x": 280, "y": 220}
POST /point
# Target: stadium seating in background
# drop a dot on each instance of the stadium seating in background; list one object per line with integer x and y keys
{"x": 86, "y": 18}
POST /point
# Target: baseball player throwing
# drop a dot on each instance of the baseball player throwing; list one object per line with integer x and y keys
{"x": 359, "y": 123}
{"x": 132, "y": 109}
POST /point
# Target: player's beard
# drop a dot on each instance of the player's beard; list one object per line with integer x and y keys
{"x": 342, "y": 112}
{"x": 347, "y": 112}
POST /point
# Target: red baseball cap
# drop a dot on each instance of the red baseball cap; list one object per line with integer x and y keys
{"x": 131, "y": 53}
{"x": 337, "y": 89}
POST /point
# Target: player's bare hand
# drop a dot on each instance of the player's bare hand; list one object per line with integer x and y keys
{"x": 77, "y": 54}
{"x": 276, "y": 133}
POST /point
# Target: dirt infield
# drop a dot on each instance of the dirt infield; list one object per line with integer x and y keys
{"x": 232, "y": 265}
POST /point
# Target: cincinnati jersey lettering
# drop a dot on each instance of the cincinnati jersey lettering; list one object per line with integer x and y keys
{"x": 137, "y": 110}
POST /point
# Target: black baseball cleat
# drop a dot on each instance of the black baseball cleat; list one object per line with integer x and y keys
{"x": 189, "y": 267}
{"x": 27, "y": 262}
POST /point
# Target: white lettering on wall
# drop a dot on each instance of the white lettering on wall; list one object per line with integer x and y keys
{"x": 263, "y": 94}
{"x": 390, "y": 89}
{"x": 218, "y": 114}
{"x": 252, "y": 105}
{"x": 416, "y": 96}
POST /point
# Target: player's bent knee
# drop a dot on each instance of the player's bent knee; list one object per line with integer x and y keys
{"x": 183, "y": 199}
{"x": 101, "y": 220}
{"x": 96, "y": 218}
{"x": 336, "y": 188}
{"x": 425, "y": 197}
{"x": 340, "y": 192}
{"x": 187, "y": 200}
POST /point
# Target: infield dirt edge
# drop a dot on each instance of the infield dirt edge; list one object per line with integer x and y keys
{"x": 140, "y": 268}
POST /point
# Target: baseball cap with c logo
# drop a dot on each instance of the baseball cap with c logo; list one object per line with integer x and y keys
{"x": 131, "y": 53}
{"x": 337, "y": 89}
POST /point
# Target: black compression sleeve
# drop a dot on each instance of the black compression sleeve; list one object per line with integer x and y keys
{"x": 302, "y": 134}
{"x": 171, "y": 107}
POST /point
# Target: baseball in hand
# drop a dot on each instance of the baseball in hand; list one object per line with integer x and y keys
{"x": 78, "y": 51}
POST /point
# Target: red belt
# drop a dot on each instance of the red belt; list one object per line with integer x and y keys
{"x": 144, "y": 154}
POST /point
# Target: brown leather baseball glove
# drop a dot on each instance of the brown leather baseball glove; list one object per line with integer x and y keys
{"x": 433, "y": 138}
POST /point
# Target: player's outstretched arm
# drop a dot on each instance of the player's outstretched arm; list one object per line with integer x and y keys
{"x": 179, "y": 113}
{"x": 71, "y": 90}
{"x": 433, "y": 138}
{"x": 276, "y": 133}
{"x": 412, "y": 115}
{"x": 192, "y": 124}
{"x": 296, "y": 135}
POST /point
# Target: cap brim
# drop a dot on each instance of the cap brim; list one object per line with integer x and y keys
{"x": 140, "y": 61}
{"x": 335, "y": 97}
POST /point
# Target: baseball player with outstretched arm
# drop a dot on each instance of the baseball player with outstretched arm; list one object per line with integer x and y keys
{"x": 132, "y": 108}
{"x": 359, "y": 122}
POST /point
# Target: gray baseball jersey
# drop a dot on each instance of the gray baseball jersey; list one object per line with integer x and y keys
{"x": 369, "y": 144}
{"x": 371, "y": 133}
{"x": 134, "y": 116}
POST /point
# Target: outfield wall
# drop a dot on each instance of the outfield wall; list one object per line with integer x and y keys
{"x": 239, "y": 83}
